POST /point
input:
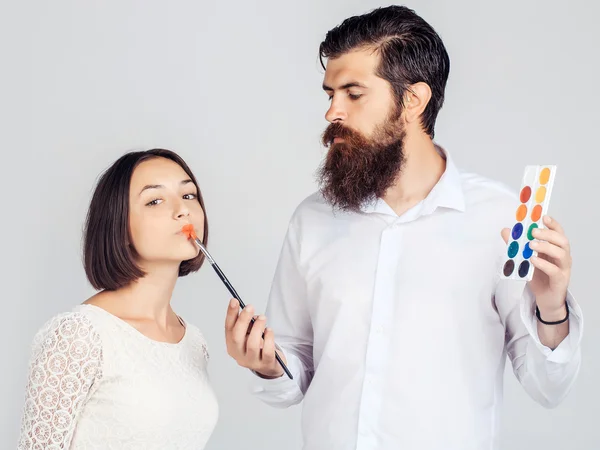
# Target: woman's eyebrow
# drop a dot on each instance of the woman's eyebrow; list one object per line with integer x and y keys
{"x": 161, "y": 186}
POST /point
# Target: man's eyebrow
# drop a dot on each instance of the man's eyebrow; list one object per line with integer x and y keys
{"x": 346, "y": 86}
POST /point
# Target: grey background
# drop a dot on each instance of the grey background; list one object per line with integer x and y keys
{"x": 234, "y": 87}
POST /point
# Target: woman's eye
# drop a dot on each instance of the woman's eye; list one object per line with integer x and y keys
{"x": 154, "y": 202}
{"x": 189, "y": 196}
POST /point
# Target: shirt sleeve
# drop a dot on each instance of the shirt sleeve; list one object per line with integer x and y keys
{"x": 287, "y": 314}
{"x": 65, "y": 366}
{"x": 547, "y": 375}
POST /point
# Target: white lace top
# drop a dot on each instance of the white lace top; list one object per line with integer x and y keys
{"x": 95, "y": 382}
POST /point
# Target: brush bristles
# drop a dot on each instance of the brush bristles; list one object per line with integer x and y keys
{"x": 189, "y": 231}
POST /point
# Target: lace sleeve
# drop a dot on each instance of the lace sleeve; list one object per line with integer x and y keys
{"x": 65, "y": 366}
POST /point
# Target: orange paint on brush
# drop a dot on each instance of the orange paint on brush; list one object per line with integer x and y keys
{"x": 188, "y": 230}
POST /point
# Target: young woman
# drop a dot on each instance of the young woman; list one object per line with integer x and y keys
{"x": 122, "y": 370}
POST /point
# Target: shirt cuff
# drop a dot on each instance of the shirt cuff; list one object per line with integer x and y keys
{"x": 567, "y": 349}
{"x": 280, "y": 383}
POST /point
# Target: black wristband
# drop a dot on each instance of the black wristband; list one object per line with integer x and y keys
{"x": 558, "y": 322}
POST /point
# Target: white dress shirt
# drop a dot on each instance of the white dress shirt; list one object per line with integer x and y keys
{"x": 397, "y": 328}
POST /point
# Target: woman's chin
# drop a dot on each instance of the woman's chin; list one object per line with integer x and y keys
{"x": 184, "y": 251}
{"x": 188, "y": 254}
{"x": 176, "y": 255}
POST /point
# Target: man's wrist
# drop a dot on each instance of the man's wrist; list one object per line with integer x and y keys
{"x": 553, "y": 316}
{"x": 268, "y": 376}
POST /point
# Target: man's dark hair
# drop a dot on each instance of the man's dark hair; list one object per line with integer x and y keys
{"x": 409, "y": 48}
{"x": 108, "y": 253}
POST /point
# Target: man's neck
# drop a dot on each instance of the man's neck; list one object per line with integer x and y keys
{"x": 423, "y": 167}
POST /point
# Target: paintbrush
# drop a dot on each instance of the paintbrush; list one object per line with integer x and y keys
{"x": 189, "y": 231}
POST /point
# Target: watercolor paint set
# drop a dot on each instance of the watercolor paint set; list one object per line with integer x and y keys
{"x": 534, "y": 198}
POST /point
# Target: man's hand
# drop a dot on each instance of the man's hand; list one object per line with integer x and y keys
{"x": 553, "y": 264}
{"x": 550, "y": 280}
{"x": 245, "y": 343}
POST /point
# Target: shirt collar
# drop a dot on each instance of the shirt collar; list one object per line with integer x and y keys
{"x": 447, "y": 192}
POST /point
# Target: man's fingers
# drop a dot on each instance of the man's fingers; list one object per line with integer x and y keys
{"x": 251, "y": 324}
{"x": 249, "y": 342}
{"x": 253, "y": 343}
{"x": 232, "y": 315}
{"x": 558, "y": 255}
{"x": 545, "y": 266}
{"x": 238, "y": 333}
{"x": 268, "y": 352}
{"x": 554, "y": 237}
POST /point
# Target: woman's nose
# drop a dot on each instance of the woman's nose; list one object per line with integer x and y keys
{"x": 182, "y": 210}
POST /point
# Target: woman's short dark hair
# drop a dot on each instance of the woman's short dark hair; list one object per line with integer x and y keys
{"x": 409, "y": 48}
{"x": 108, "y": 253}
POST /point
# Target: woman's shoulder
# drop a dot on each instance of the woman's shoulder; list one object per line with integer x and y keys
{"x": 74, "y": 325}
{"x": 67, "y": 342}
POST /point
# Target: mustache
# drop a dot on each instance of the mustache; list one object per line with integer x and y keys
{"x": 361, "y": 168}
{"x": 336, "y": 129}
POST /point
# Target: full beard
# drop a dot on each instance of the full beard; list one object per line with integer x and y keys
{"x": 360, "y": 170}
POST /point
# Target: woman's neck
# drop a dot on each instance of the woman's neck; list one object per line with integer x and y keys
{"x": 147, "y": 299}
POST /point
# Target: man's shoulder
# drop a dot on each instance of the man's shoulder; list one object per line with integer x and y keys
{"x": 312, "y": 205}
{"x": 478, "y": 188}
{"x": 314, "y": 216}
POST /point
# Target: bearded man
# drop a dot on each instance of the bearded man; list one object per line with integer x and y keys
{"x": 388, "y": 305}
